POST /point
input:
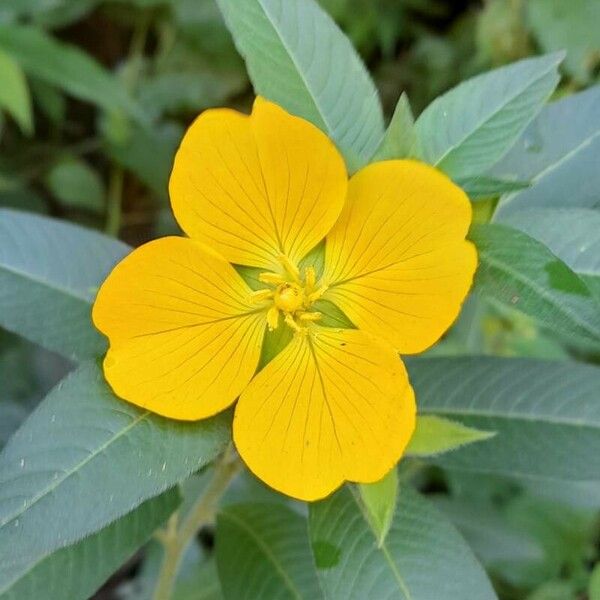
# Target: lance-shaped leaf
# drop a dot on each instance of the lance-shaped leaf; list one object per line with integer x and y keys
{"x": 436, "y": 435}
{"x": 85, "y": 458}
{"x": 49, "y": 274}
{"x": 400, "y": 138}
{"x": 263, "y": 552}
{"x": 423, "y": 556}
{"x": 77, "y": 571}
{"x": 469, "y": 128}
{"x": 66, "y": 67}
{"x": 14, "y": 93}
{"x": 546, "y": 414}
{"x": 298, "y": 57}
{"x": 379, "y": 500}
{"x": 521, "y": 273}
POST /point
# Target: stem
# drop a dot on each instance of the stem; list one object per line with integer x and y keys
{"x": 113, "y": 201}
{"x": 176, "y": 538}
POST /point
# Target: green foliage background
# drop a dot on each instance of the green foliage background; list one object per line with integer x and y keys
{"x": 94, "y": 98}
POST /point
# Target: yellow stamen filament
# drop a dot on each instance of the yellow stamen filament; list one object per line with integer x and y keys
{"x": 273, "y": 318}
{"x": 261, "y": 295}
{"x": 272, "y": 278}
{"x": 317, "y": 294}
{"x": 310, "y": 277}
{"x": 309, "y": 316}
{"x": 290, "y": 267}
{"x": 289, "y": 320}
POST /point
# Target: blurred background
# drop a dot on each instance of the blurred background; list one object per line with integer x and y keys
{"x": 94, "y": 98}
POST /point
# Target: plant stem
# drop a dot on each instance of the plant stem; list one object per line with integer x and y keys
{"x": 176, "y": 537}
{"x": 113, "y": 201}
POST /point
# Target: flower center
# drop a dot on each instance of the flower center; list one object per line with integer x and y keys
{"x": 291, "y": 295}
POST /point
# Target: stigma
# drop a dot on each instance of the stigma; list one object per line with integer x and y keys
{"x": 290, "y": 294}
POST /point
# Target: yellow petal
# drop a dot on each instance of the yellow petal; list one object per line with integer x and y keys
{"x": 334, "y": 405}
{"x": 184, "y": 339}
{"x": 254, "y": 188}
{"x": 397, "y": 261}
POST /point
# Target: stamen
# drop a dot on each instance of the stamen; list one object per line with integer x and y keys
{"x": 317, "y": 294}
{"x": 289, "y": 320}
{"x": 290, "y": 267}
{"x": 272, "y": 318}
{"x": 261, "y": 295}
{"x": 310, "y": 277}
{"x": 310, "y": 316}
{"x": 271, "y": 278}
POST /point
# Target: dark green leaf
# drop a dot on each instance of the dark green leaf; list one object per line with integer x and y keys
{"x": 546, "y": 414}
{"x": 423, "y": 556}
{"x": 77, "y": 571}
{"x": 482, "y": 187}
{"x": 85, "y": 458}
{"x": 263, "y": 552}
{"x": 521, "y": 273}
{"x": 49, "y": 274}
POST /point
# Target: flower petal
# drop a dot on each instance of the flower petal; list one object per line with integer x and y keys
{"x": 396, "y": 261}
{"x": 184, "y": 340}
{"x": 334, "y": 405}
{"x": 256, "y": 187}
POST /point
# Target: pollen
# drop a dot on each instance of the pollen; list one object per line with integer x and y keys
{"x": 290, "y": 293}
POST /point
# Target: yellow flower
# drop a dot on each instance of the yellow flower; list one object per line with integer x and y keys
{"x": 186, "y": 330}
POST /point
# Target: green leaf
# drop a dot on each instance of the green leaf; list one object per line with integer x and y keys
{"x": 379, "y": 500}
{"x": 572, "y": 26}
{"x": 573, "y": 234}
{"x": 560, "y": 129}
{"x": 67, "y": 67}
{"x": 49, "y": 274}
{"x": 423, "y": 556}
{"x": 201, "y": 583}
{"x": 263, "y": 552}
{"x": 400, "y": 137}
{"x": 572, "y": 182}
{"x": 77, "y": 571}
{"x": 436, "y": 435}
{"x": 469, "y": 128}
{"x": 483, "y": 187}
{"x": 546, "y": 414}
{"x": 521, "y": 273}
{"x": 297, "y": 57}
{"x": 83, "y": 459}
{"x": 594, "y": 585}
{"x": 76, "y": 185}
{"x": 14, "y": 93}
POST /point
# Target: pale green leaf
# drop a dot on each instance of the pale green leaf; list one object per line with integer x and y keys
{"x": 594, "y": 585}
{"x": 559, "y": 130}
{"x": 14, "y": 93}
{"x": 520, "y": 273}
{"x": 572, "y": 26}
{"x": 50, "y": 272}
{"x": 546, "y": 414}
{"x": 380, "y": 499}
{"x": 75, "y": 184}
{"x": 422, "y": 556}
{"x": 263, "y": 552}
{"x": 298, "y": 57}
{"x": 85, "y": 458}
{"x": 400, "y": 137}
{"x": 483, "y": 187}
{"x": 77, "y": 571}
{"x": 469, "y": 128}
{"x": 436, "y": 435}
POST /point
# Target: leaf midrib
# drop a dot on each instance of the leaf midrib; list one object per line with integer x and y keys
{"x": 382, "y": 548}
{"x": 266, "y": 551}
{"x": 77, "y": 467}
{"x": 493, "y": 115}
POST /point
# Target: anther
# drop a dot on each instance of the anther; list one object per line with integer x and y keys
{"x": 310, "y": 277}
{"x": 289, "y": 320}
{"x": 309, "y": 316}
{"x": 317, "y": 294}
